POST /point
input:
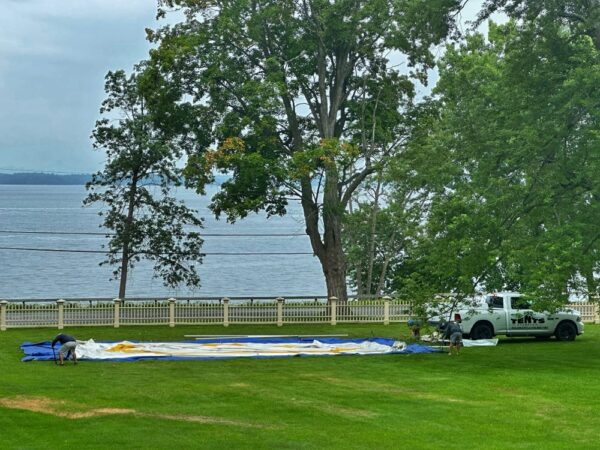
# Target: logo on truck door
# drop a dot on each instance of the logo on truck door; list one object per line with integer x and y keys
{"x": 527, "y": 318}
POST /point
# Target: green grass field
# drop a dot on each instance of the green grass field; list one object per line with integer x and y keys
{"x": 523, "y": 394}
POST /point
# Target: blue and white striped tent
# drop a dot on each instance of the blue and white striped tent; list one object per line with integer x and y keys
{"x": 220, "y": 348}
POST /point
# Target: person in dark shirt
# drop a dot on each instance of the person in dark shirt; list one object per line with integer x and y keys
{"x": 452, "y": 331}
{"x": 68, "y": 346}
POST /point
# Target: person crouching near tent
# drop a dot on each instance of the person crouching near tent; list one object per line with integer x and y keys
{"x": 452, "y": 332}
{"x": 68, "y": 346}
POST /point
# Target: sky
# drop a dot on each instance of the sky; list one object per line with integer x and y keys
{"x": 54, "y": 55}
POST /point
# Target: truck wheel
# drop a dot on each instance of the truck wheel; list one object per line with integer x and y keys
{"x": 482, "y": 331}
{"x": 565, "y": 331}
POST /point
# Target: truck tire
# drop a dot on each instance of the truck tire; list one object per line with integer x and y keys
{"x": 482, "y": 330}
{"x": 565, "y": 331}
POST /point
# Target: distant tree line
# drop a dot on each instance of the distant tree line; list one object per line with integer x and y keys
{"x": 53, "y": 179}
{"x": 41, "y": 178}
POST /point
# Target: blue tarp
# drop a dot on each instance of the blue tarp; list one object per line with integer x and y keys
{"x": 42, "y": 351}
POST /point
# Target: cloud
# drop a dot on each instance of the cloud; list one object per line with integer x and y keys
{"x": 53, "y": 58}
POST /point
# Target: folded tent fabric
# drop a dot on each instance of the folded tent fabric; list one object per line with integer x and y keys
{"x": 480, "y": 342}
{"x": 226, "y": 348}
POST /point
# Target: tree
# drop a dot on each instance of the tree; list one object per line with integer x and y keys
{"x": 515, "y": 181}
{"x": 140, "y": 161}
{"x": 582, "y": 17}
{"x": 379, "y": 233}
{"x": 300, "y": 98}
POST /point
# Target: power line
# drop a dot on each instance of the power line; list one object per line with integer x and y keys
{"x": 64, "y": 250}
{"x": 83, "y": 233}
{"x": 56, "y": 232}
{"x": 29, "y": 249}
{"x": 45, "y": 172}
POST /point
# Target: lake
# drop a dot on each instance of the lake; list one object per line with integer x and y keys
{"x": 32, "y": 274}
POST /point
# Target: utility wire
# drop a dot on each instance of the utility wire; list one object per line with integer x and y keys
{"x": 82, "y": 233}
{"x": 64, "y": 250}
{"x": 56, "y": 232}
{"x": 44, "y": 172}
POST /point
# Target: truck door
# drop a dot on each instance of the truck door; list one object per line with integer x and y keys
{"x": 523, "y": 320}
{"x": 499, "y": 314}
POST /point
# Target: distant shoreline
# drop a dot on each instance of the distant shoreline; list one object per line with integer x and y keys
{"x": 40, "y": 178}
{"x": 53, "y": 179}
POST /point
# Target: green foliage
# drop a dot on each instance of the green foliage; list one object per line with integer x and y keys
{"x": 379, "y": 235}
{"x": 135, "y": 186}
{"x": 293, "y": 100}
{"x": 515, "y": 143}
{"x": 255, "y": 63}
{"x": 581, "y": 17}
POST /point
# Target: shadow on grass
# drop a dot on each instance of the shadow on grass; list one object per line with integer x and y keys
{"x": 533, "y": 340}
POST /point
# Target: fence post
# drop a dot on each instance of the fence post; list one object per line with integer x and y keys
{"x": 61, "y": 313}
{"x": 597, "y": 314}
{"x": 225, "y": 312}
{"x": 280, "y": 311}
{"x": 117, "y": 312}
{"x": 3, "y": 305}
{"x": 333, "y": 304}
{"x": 386, "y": 310}
{"x": 171, "y": 312}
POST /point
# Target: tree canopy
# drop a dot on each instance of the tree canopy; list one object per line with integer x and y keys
{"x": 514, "y": 143}
{"x": 581, "y": 17}
{"x": 295, "y": 99}
{"x": 134, "y": 186}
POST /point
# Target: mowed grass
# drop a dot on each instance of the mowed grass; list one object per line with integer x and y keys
{"x": 523, "y": 394}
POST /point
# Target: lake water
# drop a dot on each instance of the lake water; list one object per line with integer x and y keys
{"x": 29, "y": 274}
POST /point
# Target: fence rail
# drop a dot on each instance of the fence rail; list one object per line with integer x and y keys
{"x": 225, "y": 311}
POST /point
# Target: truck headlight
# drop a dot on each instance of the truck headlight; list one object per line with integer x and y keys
{"x": 578, "y": 319}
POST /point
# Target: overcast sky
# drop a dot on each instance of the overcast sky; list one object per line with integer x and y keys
{"x": 54, "y": 55}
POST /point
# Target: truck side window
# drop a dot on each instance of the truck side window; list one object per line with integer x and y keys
{"x": 519, "y": 303}
{"x": 497, "y": 302}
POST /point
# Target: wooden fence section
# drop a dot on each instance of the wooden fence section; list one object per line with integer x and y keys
{"x": 172, "y": 312}
{"x": 589, "y": 311}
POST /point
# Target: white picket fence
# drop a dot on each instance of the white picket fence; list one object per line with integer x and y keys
{"x": 173, "y": 311}
{"x": 177, "y": 311}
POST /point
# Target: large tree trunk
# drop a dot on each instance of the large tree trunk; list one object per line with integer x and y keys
{"x": 334, "y": 259}
{"x": 329, "y": 249}
{"x": 124, "y": 267}
{"x": 125, "y": 255}
{"x": 334, "y": 269}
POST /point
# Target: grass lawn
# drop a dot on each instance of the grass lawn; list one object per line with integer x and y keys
{"x": 524, "y": 393}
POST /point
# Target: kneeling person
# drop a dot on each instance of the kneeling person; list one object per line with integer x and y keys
{"x": 68, "y": 346}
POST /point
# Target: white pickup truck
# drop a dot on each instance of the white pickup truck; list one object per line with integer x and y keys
{"x": 508, "y": 313}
